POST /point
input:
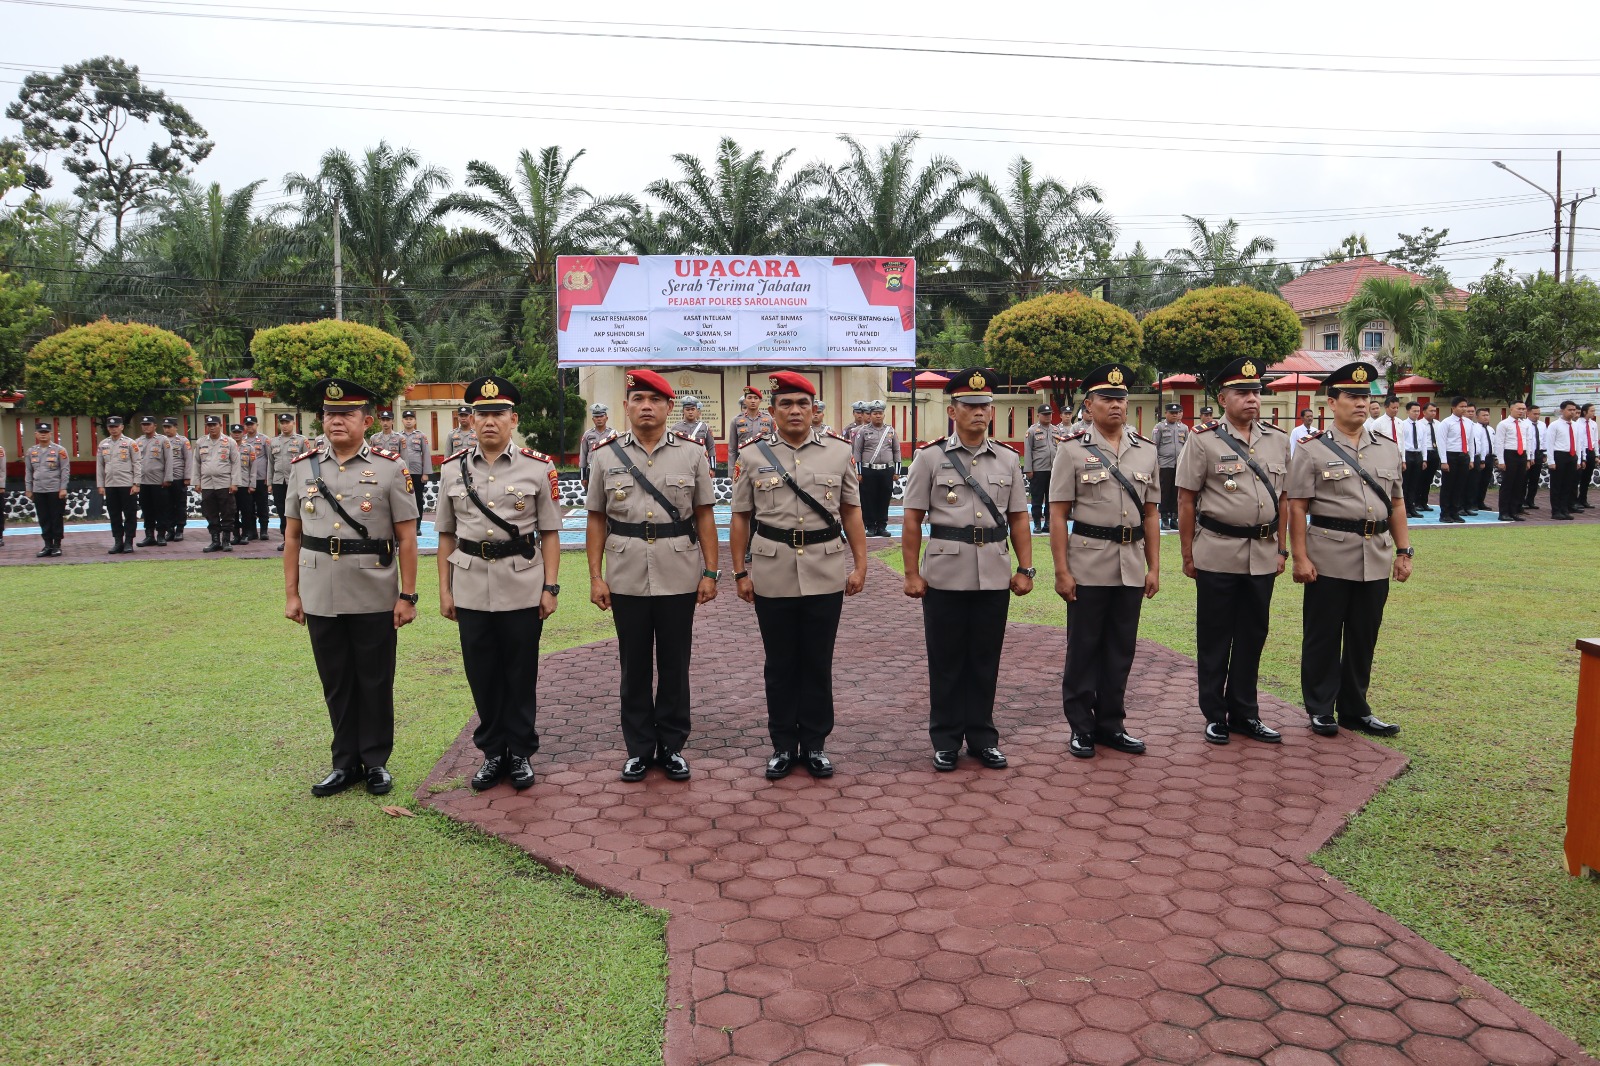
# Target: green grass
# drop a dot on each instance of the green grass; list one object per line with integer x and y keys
{"x": 174, "y": 894}
{"x": 1476, "y": 663}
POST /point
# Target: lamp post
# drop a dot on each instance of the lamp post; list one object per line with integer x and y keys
{"x": 1555, "y": 200}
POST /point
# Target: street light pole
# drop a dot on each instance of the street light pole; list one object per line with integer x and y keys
{"x": 1555, "y": 200}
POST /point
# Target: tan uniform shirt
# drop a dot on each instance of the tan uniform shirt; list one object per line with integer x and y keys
{"x": 247, "y": 455}
{"x": 389, "y": 442}
{"x": 1335, "y": 490}
{"x": 182, "y": 457}
{"x": 1039, "y": 448}
{"x": 155, "y": 458}
{"x": 116, "y": 463}
{"x": 700, "y": 432}
{"x": 45, "y": 468}
{"x": 591, "y": 437}
{"x": 283, "y": 450}
{"x": 877, "y": 446}
{"x": 521, "y": 487}
{"x": 414, "y": 452}
{"x": 742, "y": 428}
{"x": 260, "y": 458}
{"x": 935, "y": 486}
{"x": 821, "y": 466}
{"x": 459, "y": 438}
{"x": 670, "y": 566}
{"x": 216, "y": 463}
{"x": 1209, "y": 467}
{"x": 1099, "y": 499}
{"x": 376, "y": 491}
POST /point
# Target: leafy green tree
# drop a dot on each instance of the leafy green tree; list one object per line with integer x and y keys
{"x": 880, "y": 203}
{"x": 1411, "y": 308}
{"x": 1065, "y": 334}
{"x": 1352, "y": 247}
{"x": 290, "y": 360}
{"x": 1205, "y": 329}
{"x": 55, "y": 251}
{"x": 21, "y": 317}
{"x": 458, "y": 345}
{"x": 1033, "y": 229}
{"x": 112, "y": 368}
{"x": 739, "y": 204}
{"x": 1215, "y": 257}
{"x": 1419, "y": 253}
{"x": 83, "y": 110}
{"x": 1140, "y": 282}
{"x": 953, "y": 346}
{"x": 533, "y": 370}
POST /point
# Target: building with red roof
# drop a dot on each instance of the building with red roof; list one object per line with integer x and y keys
{"x": 1318, "y": 296}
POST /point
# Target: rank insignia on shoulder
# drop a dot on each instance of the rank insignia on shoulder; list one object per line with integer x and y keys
{"x": 541, "y": 456}
{"x": 1272, "y": 426}
{"x": 930, "y": 444}
{"x": 1314, "y": 434}
{"x": 302, "y": 456}
{"x": 835, "y": 436}
{"x": 1012, "y": 447}
{"x": 451, "y": 457}
{"x": 393, "y": 457}
{"x": 1076, "y": 436}
{"x": 1140, "y": 436}
{"x": 555, "y": 484}
{"x": 1206, "y": 427}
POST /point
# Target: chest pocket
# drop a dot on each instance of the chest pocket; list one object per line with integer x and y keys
{"x": 1338, "y": 473}
{"x": 1279, "y": 472}
{"x": 943, "y": 485}
{"x": 1094, "y": 482}
{"x": 825, "y": 488}
{"x": 619, "y": 483}
{"x": 679, "y": 488}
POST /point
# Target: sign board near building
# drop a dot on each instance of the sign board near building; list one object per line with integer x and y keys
{"x": 725, "y": 310}
{"x": 1550, "y": 389}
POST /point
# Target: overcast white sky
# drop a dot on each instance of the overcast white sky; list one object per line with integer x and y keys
{"x": 1300, "y": 155}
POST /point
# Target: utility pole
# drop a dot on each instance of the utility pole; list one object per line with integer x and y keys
{"x": 338, "y": 266}
{"x": 1558, "y": 216}
{"x": 1572, "y": 225}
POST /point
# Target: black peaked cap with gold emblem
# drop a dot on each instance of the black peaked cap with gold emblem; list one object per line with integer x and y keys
{"x": 1242, "y": 374}
{"x": 492, "y": 393}
{"x": 337, "y": 394}
{"x": 1111, "y": 381}
{"x": 974, "y": 385}
{"x": 1352, "y": 378}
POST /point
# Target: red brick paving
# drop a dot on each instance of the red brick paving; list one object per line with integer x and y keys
{"x": 1115, "y": 911}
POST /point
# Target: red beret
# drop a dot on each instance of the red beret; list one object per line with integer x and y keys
{"x": 789, "y": 381}
{"x": 751, "y": 390}
{"x": 650, "y": 381}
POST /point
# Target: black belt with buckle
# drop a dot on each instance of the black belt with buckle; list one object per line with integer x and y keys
{"x": 525, "y": 546}
{"x": 337, "y": 546}
{"x": 1115, "y": 534}
{"x": 797, "y": 538}
{"x": 1352, "y": 525}
{"x": 1266, "y": 532}
{"x": 650, "y": 531}
{"x": 971, "y": 534}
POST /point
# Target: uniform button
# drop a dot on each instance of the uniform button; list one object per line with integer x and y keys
{"x": 338, "y": 495}
{"x": 336, "y": 525}
{"x": 649, "y": 514}
{"x": 491, "y": 477}
{"x": 649, "y": 462}
{"x": 491, "y": 503}
{"x": 341, "y": 469}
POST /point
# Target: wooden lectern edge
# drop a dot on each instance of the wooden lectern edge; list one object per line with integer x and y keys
{"x": 1589, "y": 645}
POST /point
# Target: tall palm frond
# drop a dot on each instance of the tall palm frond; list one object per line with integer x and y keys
{"x": 1033, "y": 229}
{"x": 882, "y": 204}
{"x": 739, "y": 205}
{"x": 1411, "y": 307}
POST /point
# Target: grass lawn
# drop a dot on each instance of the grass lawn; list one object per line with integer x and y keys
{"x": 174, "y": 893}
{"x": 1476, "y": 662}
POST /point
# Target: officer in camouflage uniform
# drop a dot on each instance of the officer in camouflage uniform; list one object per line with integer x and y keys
{"x": 116, "y": 478}
{"x": 46, "y": 468}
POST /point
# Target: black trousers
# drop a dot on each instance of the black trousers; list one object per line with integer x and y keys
{"x": 1102, "y": 629}
{"x": 1563, "y": 483}
{"x": 221, "y": 511}
{"x": 153, "y": 504}
{"x": 798, "y": 633}
{"x": 419, "y": 487}
{"x": 1039, "y": 497}
{"x": 244, "y": 502}
{"x": 1457, "y": 479}
{"x": 1231, "y": 616}
{"x": 1411, "y": 481}
{"x": 500, "y": 654}
{"x": 877, "y": 486}
{"x": 964, "y": 633}
{"x": 123, "y": 509}
{"x": 177, "y": 507}
{"x": 1429, "y": 472}
{"x": 280, "y": 496}
{"x": 1585, "y": 476}
{"x": 52, "y": 511}
{"x": 654, "y": 631}
{"x": 261, "y": 500}
{"x": 1534, "y": 472}
{"x": 1339, "y": 639}
{"x": 1483, "y": 477}
{"x": 1511, "y": 487}
{"x": 355, "y": 656}
{"x": 1169, "y": 491}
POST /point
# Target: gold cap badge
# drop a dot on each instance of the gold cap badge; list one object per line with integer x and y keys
{"x": 489, "y": 391}
{"x": 1115, "y": 376}
{"x": 334, "y": 392}
{"x": 1359, "y": 375}
{"x": 630, "y": 382}
{"x": 976, "y": 381}
{"x": 1248, "y": 370}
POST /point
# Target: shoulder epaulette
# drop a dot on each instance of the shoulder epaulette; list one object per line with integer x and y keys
{"x": 1272, "y": 426}
{"x": 835, "y": 436}
{"x": 608, "y": 438}
{"x": 1013, "y": 447}
{"x": 752, "y": 438}
{"x": 1206, "y": 427}
{"x": 1314, "y": 434}
{"x": 541, "y": 456}
{"x": 1140, "y": 436}
{"x": 448, "y": 458}
{"x": 393, "y": 457}
{"x": 1075, "y": 436}
{"x": 302, "y": 455}
{"x": 681, "y": 435}
{"x": 931, "y": 443}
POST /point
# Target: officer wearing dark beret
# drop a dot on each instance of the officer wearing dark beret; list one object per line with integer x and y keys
{"x": 1346, "y": 482}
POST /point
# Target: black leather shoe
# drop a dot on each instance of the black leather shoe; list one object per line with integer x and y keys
{"x": 1372, "y": 726}
{"x": 993, "y": 758}
{"x": 945, "y": 761}
{"x": 116, "y": 549}
{"x": 161, "y": 540}
{"x": 634, "y": 769}
{"x": 1216, "y": 733}
{"x": 675, "y": 765}
{"x": 336, "y": 782}
{"x": 779, "y": 765}
{"x": 1081, "y": 746}
{"x": 379, "y": 781}
{"x": 214, "y": 546}
{"x": 1518, "y": 518}
{"x": 521, "y": 772}
{"x": 43, "y": 553}
{"x": 490, "y": 773}
{"x": 227, "y": 547}
{"x": 1323, "y": 725}
{"x": 1123, "y": 742}
{"x": 1469, "y": 514}
{"x": 1255, "y": 730}
{"x": 55, "y": 549}
{"x": 818, "y": 764}
{"x": 147, "y": 542}
{"x": 1562, "y": 517}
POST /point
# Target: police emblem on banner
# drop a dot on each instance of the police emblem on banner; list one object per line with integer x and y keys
{"x": 894, "y": 273}
{"x": 577, "y": 281}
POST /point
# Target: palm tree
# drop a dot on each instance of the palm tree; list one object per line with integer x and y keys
{"x": 1413, "y": 309}
{"x": 457, "y": 345}
{"x": 740, "y": 205}
{"x": 882, "y": 205}
{"x": 385, "y": 204}
{"x": 1215, "y": 257}
{"x": 535, "y": 214}
{"x": 1033, "y": 230}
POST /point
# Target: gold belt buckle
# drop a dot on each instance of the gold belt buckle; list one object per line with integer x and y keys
{"x": 1264, "y": 532}
{"x": 483, "y": 549}
{"x": 797, "y": 538}
{"x": 1368, "y": 529}
{"x": 649, "y": 532}
{"x": 333, "y": 547}
{"x": 1125, "y": 533}
{"x": 977, "y": 536}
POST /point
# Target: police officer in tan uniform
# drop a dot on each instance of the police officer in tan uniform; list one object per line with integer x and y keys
{"x": 415, "y": 454}
{"x": 499, "y": 565}
{"x": 1170, "y": 437}
{"x": 352, "y": 532}
{"x": 116, "y": 478}
{"x": 1038, "y": 453}
{"x": 1232, "y": 526}
{"x": 244, "y": 498}
{"x": 1105, "y": 482}
{"x": 46, "y": 468}
{"x": 819, "y": 418}
{"x": 970, "y": 488}
{"x": 877, "y": 454}
{"x": 592, "y": 436}
{"x": 692, "y": 428}
{"x": 1356, "y": 538}
{"x": 155, "y": 477}
{"x": 461, "y": 436}
{"x": 386, "y": 438}
{"x": 796, "y": 492}
{"x": 217, "y": 464}
{"x": 659, "y": 562}
{"x": 258, "y": 478}
{"x": 747, "y": 424}
{"x": 182, "y": 470}
{"x": 282, "y": 450}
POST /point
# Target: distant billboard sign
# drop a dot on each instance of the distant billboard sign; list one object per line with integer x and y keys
{"x": 1550, "y": 389}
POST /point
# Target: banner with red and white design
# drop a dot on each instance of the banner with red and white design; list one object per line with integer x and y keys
{"x": 732, "y": 310}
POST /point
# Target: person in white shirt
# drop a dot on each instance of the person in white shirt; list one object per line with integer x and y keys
{"x": 1414, "y": 454}
{"x": 1513, "y": 447}
{"x": 1435, "y": 454}
{"x": 1566, "y": 448}
{"x": 1388, "y": 423}
{"x": 1590, "y": 435}
{"x": 1541, "y": 454}
{"x": 1483, "y": 473}
{"x": 1455, "y": 440}
{"x": 1300, "y": 432}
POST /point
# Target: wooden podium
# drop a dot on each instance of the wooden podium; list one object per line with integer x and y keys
{"x": 1583, "y": 792}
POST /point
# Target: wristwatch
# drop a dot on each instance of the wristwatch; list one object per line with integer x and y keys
{"x": 1406, "y": 551}
{"x": 1028, "y": 572}
{"x": 409, "y": 597}
{"x": 554, "y": 590}
{"x": 740, "y": 575}
{"x": 712, "y": 574}
{"x": 1283, "y": 553}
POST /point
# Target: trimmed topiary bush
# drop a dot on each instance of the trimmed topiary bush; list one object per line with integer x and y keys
{"x": 1205, "y": 329}
{"x": 289, "y": 360}
{"x": 112, "y": 368}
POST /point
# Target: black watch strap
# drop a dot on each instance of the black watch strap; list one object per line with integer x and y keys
{"x": 409, "y": 597}
{"x": 554, "y": 590}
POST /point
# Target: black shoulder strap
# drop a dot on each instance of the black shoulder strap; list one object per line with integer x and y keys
{"x": 1244, "y": 454}
{"x": 788, "y": 479}
{"x": 472, "y": 494}
{"x": 659, "y": 496}
{"x": 327, "y": 494}
{"x": 966, "y": 475}
{"x": 1372, "y": 482}
{"x": 1122, "y": 479}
